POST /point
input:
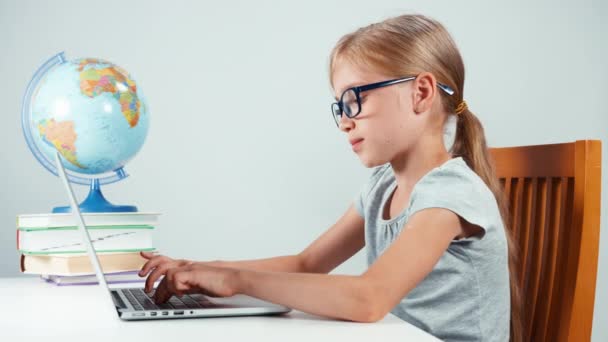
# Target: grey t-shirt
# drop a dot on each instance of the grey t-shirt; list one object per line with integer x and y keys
{"x": 466, "y": 296}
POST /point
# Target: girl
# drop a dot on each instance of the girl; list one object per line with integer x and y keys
{"x": 433, "y": 221}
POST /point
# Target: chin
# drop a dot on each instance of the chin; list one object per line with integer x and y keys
{"x": 371, "y": 162}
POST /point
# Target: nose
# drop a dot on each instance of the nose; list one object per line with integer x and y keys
{"x": 346, "y": 124}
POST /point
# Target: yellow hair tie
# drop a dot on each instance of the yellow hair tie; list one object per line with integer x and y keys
{"x": 461, "y": 107}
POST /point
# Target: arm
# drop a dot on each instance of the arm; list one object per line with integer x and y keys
{"x": 370, "y": 296}
{"x": 287, "y": 263}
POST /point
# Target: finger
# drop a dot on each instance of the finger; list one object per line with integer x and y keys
{"x": 146, "y": 267}
{"x": 155, "y": 261}
{"x": 165, "y": 292}
{"x": 158, "y": 271}
{"x": 160, "y": 295}
{"x": 177, "y": 283}
{"x": 147, "y": 255}
{"x": 171, "y": 282}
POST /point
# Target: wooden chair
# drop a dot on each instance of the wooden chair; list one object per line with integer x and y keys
{"x": 553, "y": 193}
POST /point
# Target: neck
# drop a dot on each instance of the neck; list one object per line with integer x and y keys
{"x": 412, "y": 165}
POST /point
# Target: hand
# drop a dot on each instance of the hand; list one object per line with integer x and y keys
{"x": 198, "y": 278}
{"x": 161, "y": 264}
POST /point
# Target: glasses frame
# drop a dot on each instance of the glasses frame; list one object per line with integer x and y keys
{"x": 359, "y": 89}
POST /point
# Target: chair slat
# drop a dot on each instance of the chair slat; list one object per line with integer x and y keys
{"x": 558, "y": 207}
{"x": 534, "y": 277}
{"x": 506, "y": 182}
{"x": 527, "y": 237}
{"x": 544, "y": 263}
{"x": 516, "y": 195}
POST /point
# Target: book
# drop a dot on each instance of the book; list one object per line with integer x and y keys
{"x": 72, "y": 265}
{"x": 91, "y": 279}
{"x": 105, "y": 239}
{"x": 90, "y": 219}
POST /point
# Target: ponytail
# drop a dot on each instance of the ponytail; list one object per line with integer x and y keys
{"x": 470, "y": 144}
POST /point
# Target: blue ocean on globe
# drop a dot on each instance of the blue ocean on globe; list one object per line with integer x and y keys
{"x": 92, "y": 112}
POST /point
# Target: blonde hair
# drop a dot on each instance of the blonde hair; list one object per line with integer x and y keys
{"x": 411, "y": 44}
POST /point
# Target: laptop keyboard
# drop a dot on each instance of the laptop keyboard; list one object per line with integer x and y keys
{"x": 141, "y": 301}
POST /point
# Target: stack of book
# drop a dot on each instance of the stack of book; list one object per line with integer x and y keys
{"x": 52, "y": 246}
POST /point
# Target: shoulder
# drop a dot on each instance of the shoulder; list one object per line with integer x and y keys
{"x": 456, "y": 187}
{"x": 454, "y": 178}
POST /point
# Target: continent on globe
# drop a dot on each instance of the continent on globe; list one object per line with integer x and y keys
{"x": 113, "y": 80}
{"x": 91, "y": 111}
{"x": 62, "y": 136}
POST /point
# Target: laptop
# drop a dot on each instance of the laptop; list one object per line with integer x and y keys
{"x": 135, "y": 304}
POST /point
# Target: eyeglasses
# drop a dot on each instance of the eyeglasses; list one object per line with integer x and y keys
{"x": 350, "y": 101}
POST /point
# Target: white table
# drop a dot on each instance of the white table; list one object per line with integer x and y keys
{"x": 31, "y": 309}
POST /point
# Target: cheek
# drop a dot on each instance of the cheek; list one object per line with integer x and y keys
{"x": 393, "y": 131}
{"x": 389, "y": 130}
{"x": 381, "y": 145}
{"x": 395, "y": 136}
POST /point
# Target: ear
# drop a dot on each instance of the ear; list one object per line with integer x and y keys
{"x": 423, "y": 92}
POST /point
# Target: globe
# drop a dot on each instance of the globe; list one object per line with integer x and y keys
{"x": 93, "y": 113}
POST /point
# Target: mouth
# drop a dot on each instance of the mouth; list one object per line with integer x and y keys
{"x": 356, "y": 143}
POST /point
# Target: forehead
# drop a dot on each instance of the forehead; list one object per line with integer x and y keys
{"x": 347, "y": 74}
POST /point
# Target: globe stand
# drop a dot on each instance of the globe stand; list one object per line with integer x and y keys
{"x": 96, "y": 202}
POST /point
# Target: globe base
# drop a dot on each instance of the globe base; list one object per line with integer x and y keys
{"x": 96, "y": 203}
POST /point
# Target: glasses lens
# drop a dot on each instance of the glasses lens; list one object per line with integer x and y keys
{"x": 336, "y": 113}
{"x": 350, "y": 103}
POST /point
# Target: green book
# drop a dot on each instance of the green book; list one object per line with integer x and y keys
{"x": 68, "y": 240}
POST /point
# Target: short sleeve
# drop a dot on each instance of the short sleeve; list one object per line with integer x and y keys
{"x": 459, "y": 190}
{"x": 361, "y": 199}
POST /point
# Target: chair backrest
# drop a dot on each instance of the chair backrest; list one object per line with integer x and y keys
{"x": 553, "y": 192}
